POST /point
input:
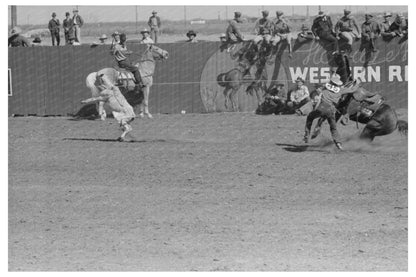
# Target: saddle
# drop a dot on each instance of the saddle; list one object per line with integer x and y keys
{"x": 369, "y": 101}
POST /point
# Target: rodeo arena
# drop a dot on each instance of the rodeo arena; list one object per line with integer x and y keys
{"x": 208, "y": 138}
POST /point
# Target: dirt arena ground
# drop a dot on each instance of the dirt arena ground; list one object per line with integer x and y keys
{"x": 204, "y": 192}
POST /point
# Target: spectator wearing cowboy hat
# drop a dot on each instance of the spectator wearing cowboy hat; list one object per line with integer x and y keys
{"x": 103, "y": 38}
{"x": 233, "y": 32}
{"x": 385, "y": 31}
{"x": 37, "y": 41}
{"x": 146, "y": 37}
{"x": 16, "y": 39}
{"x": 370, "y": 29}
{"x": 191, "y": 36}
{"x": 399, "y": 25}
{"x": 347, "y": 29}
{"x": 68, "y": 27}
{"x": 53, "y": 27}
{"x": 322, "y": 28}
{"x": 281, "y": 32}
{"x": 77, "y": 23}
{"x": 264, "y": 30}
{"x": 298, "y": 97}
{"x": 154, "y": 25}
{"x": 305, "y": 35}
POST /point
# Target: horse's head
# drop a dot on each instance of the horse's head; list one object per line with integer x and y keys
{"x": 158, "y": 53}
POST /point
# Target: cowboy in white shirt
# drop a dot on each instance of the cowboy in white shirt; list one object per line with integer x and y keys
{"x": 146, "y": 37}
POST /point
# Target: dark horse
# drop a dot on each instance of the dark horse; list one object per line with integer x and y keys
{"x": 370, "y": 109}
{"x": 233, "y": 80}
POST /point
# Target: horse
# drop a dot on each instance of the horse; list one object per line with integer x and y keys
{"x": 233, "y": 79}
{"x": 125, "y": 79}
{"x": 366, "y": 108}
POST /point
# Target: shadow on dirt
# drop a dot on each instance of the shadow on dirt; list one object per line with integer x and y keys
{"x": 300, "y": 148}
{"x": 115, "y": 140}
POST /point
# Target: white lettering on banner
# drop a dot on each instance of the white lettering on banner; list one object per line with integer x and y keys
{"x": 405, "y": 73}
{"x": 325, "y": 74}
{"x": 359, "y": 73}
{"x": 395, "y": 71}
{"x": 313, "y": 75}
{"x": 373, "y": 75}
{"x": 298, "y": 73}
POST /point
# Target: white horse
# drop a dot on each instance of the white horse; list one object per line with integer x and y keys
{"x": 146, "y": 65}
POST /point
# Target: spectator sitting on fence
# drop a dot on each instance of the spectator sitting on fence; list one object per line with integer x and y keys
{"x": 191, "y": 36}
{"x": 370, "y": 29}
{"x": 305, "y": 35}
{"x": 146, "y": 39}
{"x": 399, "y": 25}
{"x": 281, "y": 32}
{"x": 37, "y": 41}
{"x": 264, "y": 30}
{"x": 322, "y": 28}
{"x": 16, "y": 39}
{"x": 385, "y": 31}
{"x": 233, "y": 33}
{"x": 299, "y": 97}
{"x": 347, "y": 29}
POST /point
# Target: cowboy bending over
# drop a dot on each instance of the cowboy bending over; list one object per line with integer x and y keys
{"x": 120, "y": 52}
{"x": 326, "y": 108}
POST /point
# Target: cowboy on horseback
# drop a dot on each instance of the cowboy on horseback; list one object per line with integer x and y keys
{"x": 120, "y": 53}
{"x": 325, "y": 106}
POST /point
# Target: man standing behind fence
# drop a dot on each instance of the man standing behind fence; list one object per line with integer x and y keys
{"x": 77, "y": 24}
{"x": 53, "y": 27}
{"x": 67, "y": 24}
{"x": 154, "y": 25}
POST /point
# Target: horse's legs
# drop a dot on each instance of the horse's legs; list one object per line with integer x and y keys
{"x": 101, "y": 110}
{"x": 144, "y": 106}
{"x": 226, "y": 97}
{"x": 367, "y": 134}
{"x": 234, "y": 99}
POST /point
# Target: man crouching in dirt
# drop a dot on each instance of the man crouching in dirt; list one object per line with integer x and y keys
{"x": 111, "y": 96}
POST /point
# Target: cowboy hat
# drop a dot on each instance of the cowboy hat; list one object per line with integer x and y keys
{"x": 67, "y": 13}
{"x": 346, "y": 12}
{"x": 75, "y": 10}
{"x": 154, "y": 12}
{"x": 237, "y": 14}
{"x": 37, "y": 40}
{"x": 223, "y": 35}
{"x": 321, "y": 13}
{"x": 103, "y": 37}
{"x": 16, "y": 30}
{"x": 387, "y": 14}
{"x": 265, "y": 12}
{"x": 368, "y": 15}
{"x": 190, "y": 33}
{"x": 145, "y": 31}
{"x": 53, "y": 14}
{"x": 335, "y": 79}
{"x": 279, "y": 13}
{"x": 299, "y": 79}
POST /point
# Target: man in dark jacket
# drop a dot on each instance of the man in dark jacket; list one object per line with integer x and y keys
{"x": 67, "y": 24}
{"x": 370, "y": 29}
{"x": 17, "y": 40}
{"x": 322, "y": 28}
{"x": 53, "y": 27}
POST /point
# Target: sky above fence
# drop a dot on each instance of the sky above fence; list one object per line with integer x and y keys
{"x": 41, "y": 14}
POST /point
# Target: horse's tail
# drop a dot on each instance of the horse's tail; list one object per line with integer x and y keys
{"x": 402, "y": 127}
{"x": 221, "y": 79}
